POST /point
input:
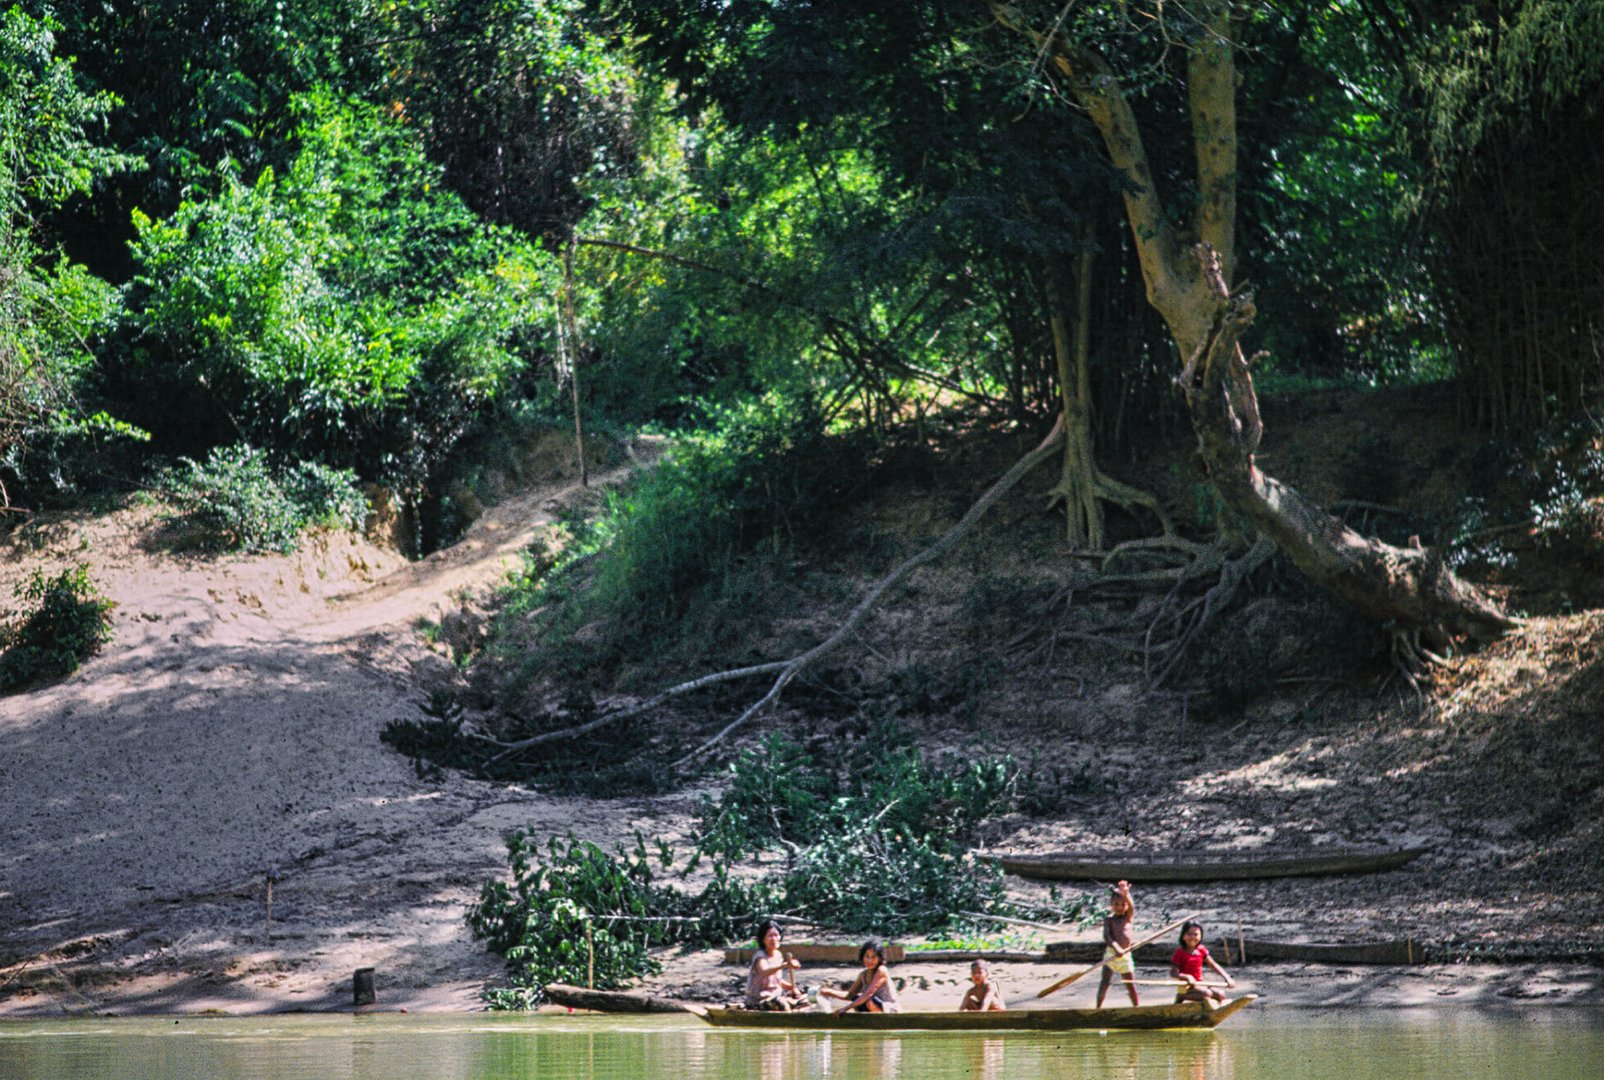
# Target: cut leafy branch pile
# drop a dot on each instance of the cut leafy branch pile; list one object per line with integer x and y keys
{"x": 878, "y": 844}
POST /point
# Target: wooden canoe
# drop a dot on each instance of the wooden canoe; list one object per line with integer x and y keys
{"x": 1188, "y": 1014}
{"x": 814, "y": 953}
{"x": 1234, "y": 951}
{"x": 610, "y": 1001}
{"x": 1152, "y": 867}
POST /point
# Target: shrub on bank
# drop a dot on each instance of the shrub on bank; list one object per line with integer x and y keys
{"x": 63, "y": 620}
{"x": 675, "y": 569}
{"x": 236, "y": 500}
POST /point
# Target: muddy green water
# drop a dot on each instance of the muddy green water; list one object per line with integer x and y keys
{"x": 1287, "y": 1044}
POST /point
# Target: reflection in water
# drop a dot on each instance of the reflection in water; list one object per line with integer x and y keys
{"x": 1336, "y": 1045}
{"x": 986, "y": 1058}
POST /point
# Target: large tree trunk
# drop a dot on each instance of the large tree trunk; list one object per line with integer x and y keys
{"x": 1410, "y": 590}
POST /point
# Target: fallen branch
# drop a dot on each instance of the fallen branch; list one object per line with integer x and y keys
{"x": 636, "y": 709}
{"x": 795, "y": 666}
{"x": 786, "y": 670}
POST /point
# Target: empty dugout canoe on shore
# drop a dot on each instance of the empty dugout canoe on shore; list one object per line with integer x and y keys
{"x": 1234, "y": 951}
{"x": 1156, "y": 867}
{"x": 1189, "y": 1014}
{"x": 610, "y": 1001}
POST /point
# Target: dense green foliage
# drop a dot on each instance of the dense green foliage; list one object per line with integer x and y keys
{"x": 61, "y": 621}
{"x": 236, "y": 500}
{"x": 343, "y": 236}
{"x": 50, "y": 308}
{"x": 875, "y": 843}
{"x": 580, "y": 915}
{"x": 355, "y": 310}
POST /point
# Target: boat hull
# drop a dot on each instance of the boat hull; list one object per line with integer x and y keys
{"x": 1071, "y": 866}
{"x": 1190, "y": 1014}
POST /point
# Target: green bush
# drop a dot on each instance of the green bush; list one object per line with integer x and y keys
{"x": 50, "y": 308}
{"x": 878, "y": 844}
{"x": 64, "y": 620}
{"x": 777, "y": 791}
{"x": 237, "y": 500}
{"x": 578, "y": 914}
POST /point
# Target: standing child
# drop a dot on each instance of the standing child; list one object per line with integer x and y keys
{"x": 767, "y": 987}
{"x": 1186, "y": 965}
{"x": 1117, "y": 942}
{"x": 872, "y": 990}
{"x": 983, "y": 996}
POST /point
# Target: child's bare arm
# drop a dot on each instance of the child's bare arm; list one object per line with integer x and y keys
{"x": 1222, "y": 972}
{"x": 870, "y": 990}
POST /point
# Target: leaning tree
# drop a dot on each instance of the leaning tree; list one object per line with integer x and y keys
{"x": 1411, "y": 590}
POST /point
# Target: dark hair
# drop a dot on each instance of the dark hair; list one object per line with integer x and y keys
{"x": 1189, "y": 925}
{"x": 763, "y": 929}
{"x": 873, "y": 946}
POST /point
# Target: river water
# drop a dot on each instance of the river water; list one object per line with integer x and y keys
{"x": 1274, "y": 1044}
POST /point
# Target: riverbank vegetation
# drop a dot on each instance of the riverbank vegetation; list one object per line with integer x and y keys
{"x": 861, "y": 268}
{"x": 874, "y": 843}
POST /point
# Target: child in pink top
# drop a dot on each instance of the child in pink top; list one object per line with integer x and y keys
{"x": 1186, "y": 965}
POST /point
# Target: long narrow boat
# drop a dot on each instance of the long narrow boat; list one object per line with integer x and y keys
{"x": 1147, "y": 866}
{"x": 1235, "y": 951}
{"x": 1189, "y": 1014}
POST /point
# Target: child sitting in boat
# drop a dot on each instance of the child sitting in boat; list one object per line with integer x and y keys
{"x": 767, "y": 986}
{"x": 1117, "y": 942}
{"x": 872, "y": 990}
{"x": 1186, "y": 966}
{"x": 983, "y": 996}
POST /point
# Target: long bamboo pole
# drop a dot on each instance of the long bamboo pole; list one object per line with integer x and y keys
{"x": 1154, "y": 936}
{"x": 1178, "y": 984}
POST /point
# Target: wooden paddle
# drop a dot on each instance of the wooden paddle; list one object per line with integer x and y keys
{"x": 790, "y": 973}
{"x": 1154, "y": 936}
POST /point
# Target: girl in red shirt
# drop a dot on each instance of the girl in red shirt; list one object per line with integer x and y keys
{"x": 1186, "y": 966}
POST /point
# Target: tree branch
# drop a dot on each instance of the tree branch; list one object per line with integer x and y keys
{"x": 796, "y": 665}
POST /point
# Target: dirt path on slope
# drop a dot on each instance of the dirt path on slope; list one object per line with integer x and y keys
{"x": 231, "y": 731}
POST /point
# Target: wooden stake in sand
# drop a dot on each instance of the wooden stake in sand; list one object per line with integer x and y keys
{"x": 362, "y": 992}
{"x": 267, "y": 919}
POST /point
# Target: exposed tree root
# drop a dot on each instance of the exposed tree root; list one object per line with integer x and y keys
{"x": 1410, "y": 658}
{"x": 1107, "y": 489}
{"x": 1163, "y": 636}
{"x": 1193, "y": 618}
